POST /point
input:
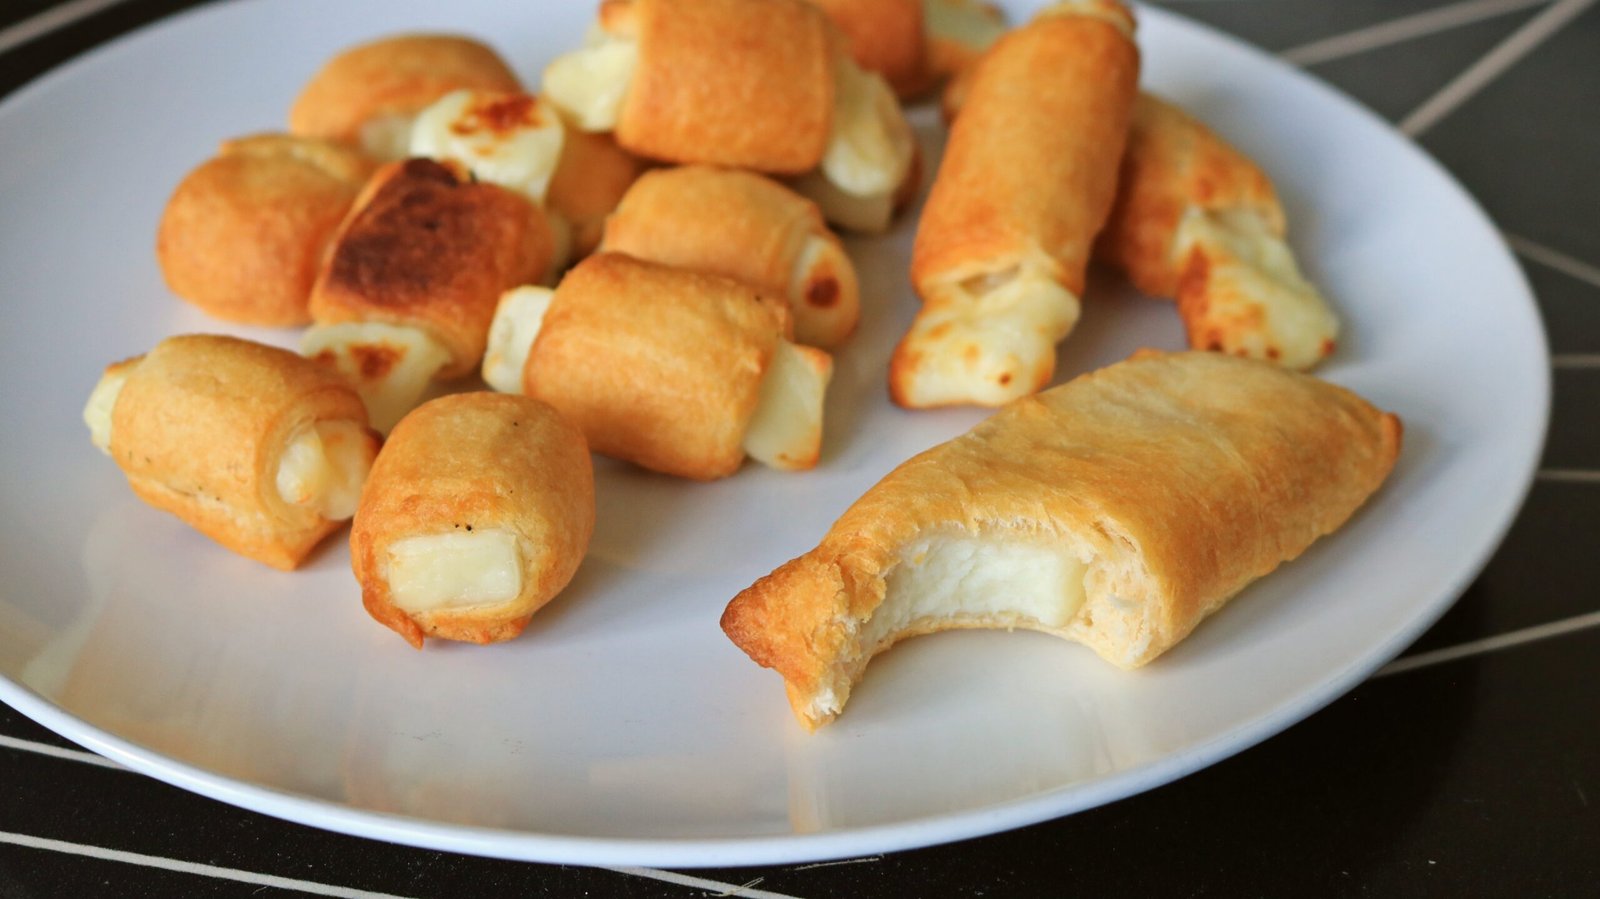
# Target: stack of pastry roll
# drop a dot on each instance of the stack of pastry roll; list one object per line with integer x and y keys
{"x": 763, "y": 85}
{"x": 744, "y": 226}
{"x": 1026, "y": 183}
{"x": 477, "y": 513}
{"x": 259, "y": 449}
{"x": 1196, "y": 220}
{"x": 1117, "y": 510}
{"x": 678, "y": 371}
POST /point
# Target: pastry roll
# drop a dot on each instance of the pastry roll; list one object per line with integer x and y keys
{"x": 591, "y": 178}
{"x": 259, "y": 449}
{"x": 753, "y": 84}
{"x": 884, "y": 36}
{"x": 1117, "y": 510}
{"x": 477, "y": 513}
{"x": 743, "y": 226}
{"x": 1195, "y": 219}
{"x": 680, "y": 372}
{"x": 959, "y": 32}
{"x": 368, "y": 95}
{"x": 409, "y": 288}
{"x": 1026, "y": 182}
{"x": 243, "y": 234}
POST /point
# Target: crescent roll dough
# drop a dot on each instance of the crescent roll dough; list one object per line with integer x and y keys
{"x": 243, "y": 234}
{"x": 477, "y": 513}
{"x": 1195, "y": 219}
{"x": 1117, "y": 510}
{"x": 367, "y": 95}
{"x": 885, "y": 36}
{"x": 257, "y": 448}
{"x": 741, "y": 225}
{"x": 677, "y": 371}
{"x": 1026, "y": 182}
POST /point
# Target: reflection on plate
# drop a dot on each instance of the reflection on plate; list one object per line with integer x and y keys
{"x": 622, "y": 727}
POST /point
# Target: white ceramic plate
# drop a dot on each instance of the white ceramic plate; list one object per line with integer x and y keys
{"x": 623, "y": 728}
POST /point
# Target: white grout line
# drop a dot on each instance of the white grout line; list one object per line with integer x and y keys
{"x": 1505, "y": 55}
{"x": 1405, "y": 28}
{"x": 169, "y": 864}
{"x": 75, "y": 755}
{"x": 1491, "y": 644}
{"x": 685, "y": 880}
{"x": 1569, "y": 475}
{"x": 1555, "y": 259}
{"x": 1575, "y": 360}
{"x": 51, "y": 19}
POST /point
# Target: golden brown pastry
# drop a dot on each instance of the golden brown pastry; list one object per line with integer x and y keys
{"x": 680, "y": 372}
{"x": 591, "y": 178}
{"x": 1117, "y": 510}
{"x": 243, "y": 234}
{"x": 1027, "y": 180}
{"x": 743, "y": 226}
{"x": 885, "y": 36}
{"x": 367, "y": 95}
{"x": 1195, "y": 219}
{"x": 409, "y": 288}
{"x": 959, "y": 33}
{"x": 259, "y": 449}
{"x": 477, "y": 513}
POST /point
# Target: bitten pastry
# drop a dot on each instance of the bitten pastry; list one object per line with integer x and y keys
{"x": 754, "y": 84}
{"x": 368, "y": 95}
{"x": 744, "y": 226}
{"x": 677, "y": 371}
{"x": 1195, "y": 219}
{"x": 477, "y": 513}
{"x": 1027, "y": 181}
{"x": 243, "y": 234}
{"x": 259, "y": 449}
{"x": 409, "y": 288}
{"x": 1117, "y": 510}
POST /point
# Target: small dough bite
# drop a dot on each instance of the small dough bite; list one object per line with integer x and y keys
{"x": 1027, "y": 180}
{"x": 408, "y": 291}
{"x": 243, "y": 234}
{"x": 259, "y": 449}
{"x": 1117, "y": 510}
{"x": 368, "y": 95}
{"x": 744, "y": 226}
{"x": 1198, "y": 221}
{"x": 679, "y": 372}
{"x": 477, "y": 513}
{"x": 592, "y": 177}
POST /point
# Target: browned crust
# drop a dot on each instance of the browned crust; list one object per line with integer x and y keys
{"x": 477, "y": 461}
{"x": 590, "y": 180}
{"x": 200, "y": 427}
{"x": 885, "y": 36}
{"x": 243, "y": 234}
{"x": 424, "y": 248}
{"x": 397, "y": 75}
{"x": 740, "y": 83}
{"x": 656, "y": 365}
{"x": 1185, "y": 476}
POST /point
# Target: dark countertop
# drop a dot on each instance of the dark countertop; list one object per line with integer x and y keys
{"x": 1472, "y": 770}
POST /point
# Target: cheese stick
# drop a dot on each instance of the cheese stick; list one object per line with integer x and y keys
{"x": 743, "y": 226}
{"x": 477, "y": 513}
{"x": 368, "y": 95}
{"x": 1195, "y": 219}
{"x": 243, "y": 234}
{"x": 886, "y": 37}
{"x": 409, "y": 288}
{"x": 1027, "y": 180}
{"x": 259, "y": 449}
{"x": 677, "y": 371}
{"x": 1117, "y": 510}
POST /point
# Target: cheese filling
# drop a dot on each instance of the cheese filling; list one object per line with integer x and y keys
{"x": 823, "y": 293}
{"x": 517, "y": 320}
{"x": 868, "y": 155}
{"x": 389, "y": 365}
{"x": 454, "y": 570}
{"x": 590, "y": 84}
{"x": 502, "y": 138}
{"x": 955, "y": 580}
{"x": 97, "y": 412}
{"x": 867, "y": 214}
{"x": 387, "y": 137}
{"x": 785, "y": 432}
{"x": 324, "y": 467}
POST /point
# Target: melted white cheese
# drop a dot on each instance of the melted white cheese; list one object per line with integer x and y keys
{"x": 97, "y": 412}
{"x": 590, "y": 84}
{"x": 504, "y": 139}
{"x": 785, "y": 432}
{"x": 868, "y": 155}
{"x": 870, "y": 215}
{"x": 453, "y": 570}
{"x": 517, "y": 320}
{"x": 390, "y": 390}
{"x": 324, "y": 467}
{"x": 823, "y": 325}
